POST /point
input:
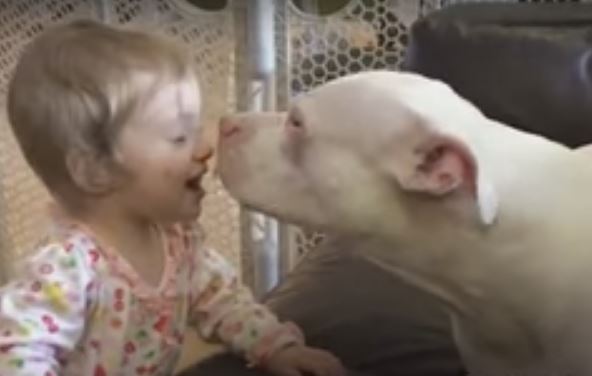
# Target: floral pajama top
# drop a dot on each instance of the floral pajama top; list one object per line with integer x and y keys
{"x": 80, "y": 309}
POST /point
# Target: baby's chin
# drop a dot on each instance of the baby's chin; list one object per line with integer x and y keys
{"x": 184, "y": 216}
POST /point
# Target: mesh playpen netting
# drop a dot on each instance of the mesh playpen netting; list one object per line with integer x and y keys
{"x": 310, "y": 49}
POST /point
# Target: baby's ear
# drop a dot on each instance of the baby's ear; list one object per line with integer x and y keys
{"x": 90, "y": 173}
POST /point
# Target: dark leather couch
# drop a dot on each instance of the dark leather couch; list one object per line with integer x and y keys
{"x": 528, "y": 65}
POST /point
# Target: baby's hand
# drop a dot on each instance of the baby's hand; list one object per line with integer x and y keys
{"x": 301, "y": 360}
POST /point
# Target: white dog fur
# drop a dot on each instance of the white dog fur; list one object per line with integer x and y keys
{"x": 491, "y": 220}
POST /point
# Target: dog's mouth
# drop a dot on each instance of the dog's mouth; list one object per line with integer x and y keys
{"x": 215, "y": 163}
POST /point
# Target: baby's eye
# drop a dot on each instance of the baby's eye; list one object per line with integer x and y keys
{"x": 180, "y": 140}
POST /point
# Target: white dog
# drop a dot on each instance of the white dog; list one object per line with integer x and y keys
{"x": 493, "y": 221}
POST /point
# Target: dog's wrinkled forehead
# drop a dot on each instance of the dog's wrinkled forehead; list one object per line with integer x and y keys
{"x": 367, "y": 107}
{"x": 383, "y": 105}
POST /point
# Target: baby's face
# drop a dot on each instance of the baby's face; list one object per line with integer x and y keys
{"x": 163, "y": 149}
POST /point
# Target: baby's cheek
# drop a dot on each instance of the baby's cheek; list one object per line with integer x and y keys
{"x": 173, "y": 172}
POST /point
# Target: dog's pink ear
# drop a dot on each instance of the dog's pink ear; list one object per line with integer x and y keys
{"x": 438, "y": 167}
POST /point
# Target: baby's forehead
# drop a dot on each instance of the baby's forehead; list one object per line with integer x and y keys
{"x": 188, "y": 96}
{"x": 181, "y": 94}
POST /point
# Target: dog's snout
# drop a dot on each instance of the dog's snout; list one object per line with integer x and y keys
{"x": 228, "y": 126}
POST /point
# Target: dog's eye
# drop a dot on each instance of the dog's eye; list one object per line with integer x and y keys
{"x": 295, "y": 123}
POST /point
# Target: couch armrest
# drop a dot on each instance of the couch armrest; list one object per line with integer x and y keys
{"x": 527, "y": 65}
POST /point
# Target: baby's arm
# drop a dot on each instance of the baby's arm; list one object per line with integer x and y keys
{"x": 42, "y": 313}
{"x": 225, "y": 309}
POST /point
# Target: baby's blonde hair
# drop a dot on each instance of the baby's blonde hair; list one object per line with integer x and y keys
{"x": 74, "y": 88}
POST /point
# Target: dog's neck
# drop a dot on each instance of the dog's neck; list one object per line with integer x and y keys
{"x": 515, "y": 279}
{"x": 537, "y": 183}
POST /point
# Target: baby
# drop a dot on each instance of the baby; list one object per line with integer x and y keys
{"x": 109, "y": 121}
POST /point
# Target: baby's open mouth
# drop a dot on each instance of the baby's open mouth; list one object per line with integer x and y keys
{"x": 194, "y": 183}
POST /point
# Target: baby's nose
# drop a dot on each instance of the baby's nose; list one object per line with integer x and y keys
{"x": 203, "y": 152}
